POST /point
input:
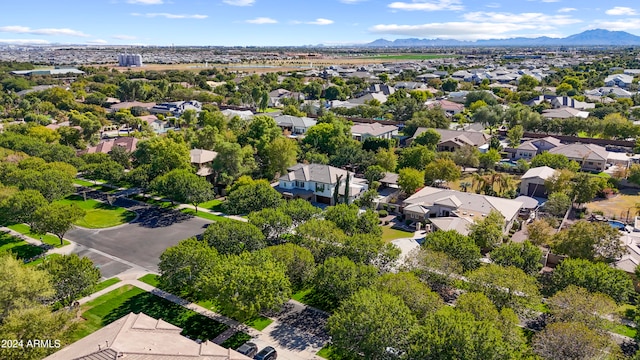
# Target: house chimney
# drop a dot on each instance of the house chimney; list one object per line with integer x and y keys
{"x": 107, "y": 341}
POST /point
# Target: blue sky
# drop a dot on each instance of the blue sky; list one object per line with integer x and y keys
{"x": 302, "y": 22}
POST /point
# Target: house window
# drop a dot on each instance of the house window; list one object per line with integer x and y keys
{"x": 590, "y": 162}
{"x": 299, "y": 184}
{"x": 319, "y": 187}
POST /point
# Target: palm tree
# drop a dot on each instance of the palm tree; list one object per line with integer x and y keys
{"x": 464, "y": 185}
{"x": 478, "y": 182}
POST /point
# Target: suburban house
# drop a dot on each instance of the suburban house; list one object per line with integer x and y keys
{"x": 294, "y": 125}
{"x": 176, "y": 108}
{"x": 242, "y": 114}
{"x": 606, "y": 91}
{"x": 450, "y": 140}
{"x": 382, "y": 98}
{"x": 532, "y": 183}
{"x": 619, "y": 80}
{"x": 155, "y": 124}
{"x": 564, "y": 113}
{"x": 276, "y": 97}
{"x": 141, "y": 337}
{"x": 129, "y": 143}
{"x": 456, "y": 210}
{"x": 590, "y": 157}
{"x": 528, "y": 149}
{"x": 558, "y": 102}
{"x": 361, "y": 132}
{"x": 449, "y": 107}
{"x": 202, "y": 160}
{"x": 317, "y": 183}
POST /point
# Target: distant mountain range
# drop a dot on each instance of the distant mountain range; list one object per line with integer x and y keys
{"x": 597, "y": 37}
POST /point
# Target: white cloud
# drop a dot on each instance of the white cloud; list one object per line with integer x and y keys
{"x": 239, "y": 2}
{"x": 618, "y": 25}
{"x": 320, "y": 21}
{"x": 422, "y": 5}
{"x": 567, "y": 9}
{"x": 262, "y": 20}
{"x": 146, "y": 2}
{"x": 621, "y": 11}
{"x": 172, "y": 16}
{"x": 24, "y": 41}
{"x": 124, "y": 37}
{"x": 97, "y": 42}
{"x": 48, "y": 31}
{"x": 463, "y": 30}
{"x": 539, "y": 20}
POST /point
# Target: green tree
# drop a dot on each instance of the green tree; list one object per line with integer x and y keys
{"x": 281, "y": 154}
{"x": 487, "y": 233}
{"x": 591, "y": 241}
{"x": 417, "y": 157}
{"x": 22, "y": 206}
{"x": 338, "y": 278}
{"x": 515, "y": 135}
{"x": 441, "y": 170}
{"x": 72, "y": 276}
{"x": 489, "y": 159}
{"x": 56, "y": 218}
{"x": 370, "y": 323}
{"x": 299, "y": 210}
{"x": 467, "y": 156}
{"x": 182, "y": 265}
{"x": 490, "y": 116}
{"x": 388, "y": 160}
{"x": 453, "y": 334}
{"x": 232, "y": 162}
{"x": 415, "y": 294}
{"x": 434, "y": 268}
{"x": 253, "y": 197}
{"x": 410, "y": 180}
{"x": 109, "y": 171}
{"x": 234, "y": 237}
{"x": 506, "y": 287}
{"x": 183, "y": 186}
{"x": 449, "y": 85}
{"x": 594, "y": 277}
{"x": 429, "y": 138}
{"x": 556, "y": 161}
{"x": 524, "y": 256}
{"x": 52, "y": 184}
{"x": 527, "y": 83}
{"x": 245, "y": 285}
{"x": 457, "y": 246}
{"x": 23, "y": 287}
{"x": 558, "y": 204}
{"x": 374, "y": 173}
{"x": 576, "y": 304}
{"x": 273, "y": 223}
{"x": 298, "y": 261}
{"x": 162, "y": 154}
{"x": 571, "y": 341}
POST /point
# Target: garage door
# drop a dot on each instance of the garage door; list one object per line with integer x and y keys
{"x": 323, "y": 200}
{"x": 536, "y": 190}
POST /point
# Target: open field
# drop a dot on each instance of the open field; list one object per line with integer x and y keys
{"x": 618, "y": 207}
{"x": 291, "y": 65}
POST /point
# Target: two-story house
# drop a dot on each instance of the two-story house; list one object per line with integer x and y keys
{"x": 528, "y": 149}
{"x": 362, "y": 132}
{"x": 317, "y": 183}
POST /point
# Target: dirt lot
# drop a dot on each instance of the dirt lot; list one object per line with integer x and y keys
{"x": 619, "y": 207}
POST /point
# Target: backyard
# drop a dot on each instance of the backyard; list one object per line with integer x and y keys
{"x": 621, "y": 207}
{"x": 126, "y": 299}
{"x": 99, "y": 215}
{"x": 389, "y": 234}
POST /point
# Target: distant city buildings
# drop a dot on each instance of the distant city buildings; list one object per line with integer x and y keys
{"x": 129, "y": 60}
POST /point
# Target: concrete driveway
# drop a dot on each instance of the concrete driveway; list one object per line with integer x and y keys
{"x": 142, "y": 241}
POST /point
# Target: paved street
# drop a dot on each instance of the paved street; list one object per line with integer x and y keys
{"x": 142, "y": 241}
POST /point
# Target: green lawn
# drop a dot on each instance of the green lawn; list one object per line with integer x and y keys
{"x": 49, "y": 239}
{"x": 327, "y": 353}
{"x": 151, "y": 279}
{"x": 104, "y": 284}
{"x": 152, "y": 201}
{"x": 99, "y": 215}
{"x": 83, "y": 182}
{"x": 42, "y": 259}
{"x": 311, "y": 298}
{"x": 214, "y": 205}
{"x": 20, "y": 248}
{"x": 205, "y": 215}
{"x": 236, "y": 340}
{"x": 120, "y": 302}
{"x": 259, "y": 323}
{"x": 622, "y": 329}
{"x": 389, "y": 234}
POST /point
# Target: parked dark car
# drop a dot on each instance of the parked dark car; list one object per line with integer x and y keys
{"x": 267, "y": 353}
{"x": 250, "y": 349}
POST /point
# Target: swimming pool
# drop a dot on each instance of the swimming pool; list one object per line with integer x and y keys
{"x": 616, "y": 224}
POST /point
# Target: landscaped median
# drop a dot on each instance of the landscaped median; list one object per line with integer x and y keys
{"x": 48, "y": 239}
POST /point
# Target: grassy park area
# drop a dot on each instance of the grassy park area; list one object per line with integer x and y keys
{"x": 124, "y": 300}
{"x": 48, "y": 239}
{"x": 99, "y": 215}
{"x": 20, "y": 248}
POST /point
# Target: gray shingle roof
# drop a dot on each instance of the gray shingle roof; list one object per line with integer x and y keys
{"x": 314, "y": 172}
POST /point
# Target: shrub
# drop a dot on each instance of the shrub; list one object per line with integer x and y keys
{"x": 383, "y": 213}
